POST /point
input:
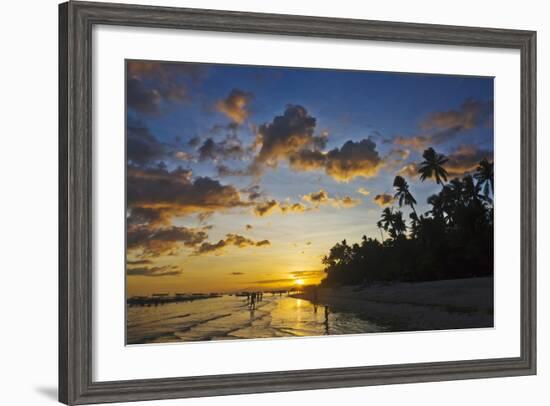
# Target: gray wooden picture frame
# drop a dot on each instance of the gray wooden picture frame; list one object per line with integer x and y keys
{"x": 76, "y": 20}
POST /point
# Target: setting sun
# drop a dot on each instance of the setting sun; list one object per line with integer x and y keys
{"x": 266, "y": 192}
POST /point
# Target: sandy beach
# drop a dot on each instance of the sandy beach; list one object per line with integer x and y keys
{"x": 437, "y": 305}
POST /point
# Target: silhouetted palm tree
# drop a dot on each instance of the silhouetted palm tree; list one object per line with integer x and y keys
{"x": 485, "y": 176}
{"x": 415, "y": 225}
{"x": 454, "y": 239}
{"x": 437, "y": 204}
{"x": 432, "y": 166}
{"x": 471, "y": 190}
{"x": 399, "y": 226}
{"x": 403, "y": 193}
{"x": 386, "y": 221}
{"x": 454, "y": 191}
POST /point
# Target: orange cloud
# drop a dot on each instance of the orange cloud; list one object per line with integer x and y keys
{"x": 268, "y": 207}
{"x": 235, "y": 240}
{"x": 384, "y": 200}
{"x": 234, "y": 105}
{"x": 176, "y": 193}
{"x": 286, "y": 135}
{"x": 142, "y": 241}
{"x": 468, "y": 116}
{"x": 346, "y": 201}
{"x": 150, "y": 84}
{"x": 465, "y": 159}
{"x": 353, "y": 159}
{"x": 321, "y": 197}
{"x": 440, "y": 127}
{"x": 409, "y": 170}
{"x": 418, "y": 142}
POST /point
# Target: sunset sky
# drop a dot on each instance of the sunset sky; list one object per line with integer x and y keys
{"x": 243, "y": 177}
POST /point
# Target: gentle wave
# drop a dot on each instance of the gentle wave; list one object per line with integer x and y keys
{"x": 229, "y": 317}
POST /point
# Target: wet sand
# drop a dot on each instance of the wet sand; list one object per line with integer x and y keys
{"x": 229, "y": 318}
{"x": 437, "y": 305}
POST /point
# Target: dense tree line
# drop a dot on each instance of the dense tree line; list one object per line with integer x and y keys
{"x": 454, "y": 239}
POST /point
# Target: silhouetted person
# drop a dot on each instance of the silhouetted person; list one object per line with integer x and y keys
{"x": 253, "y": 301}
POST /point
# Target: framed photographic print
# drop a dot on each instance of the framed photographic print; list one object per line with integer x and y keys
{"x": 257, "y": 202}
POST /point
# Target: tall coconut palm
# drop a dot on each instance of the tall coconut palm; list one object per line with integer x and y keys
{"x": 403, "y": 193}
{"x": 471, "y": 190}
{"x": 485, "y": 176}
{"x": 454, "y": 191}
{"x": 432, "y": 166}
{"x": 438, "y": 209}
{"x": 386, "y": 221}
{"x": 399, "y": 226}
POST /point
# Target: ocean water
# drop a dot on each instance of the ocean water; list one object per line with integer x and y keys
{"x": 229, "y": 317}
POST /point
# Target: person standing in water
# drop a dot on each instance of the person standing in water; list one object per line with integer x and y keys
{"x": 253, "y": 300}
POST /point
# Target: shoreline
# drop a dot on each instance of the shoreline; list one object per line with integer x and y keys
{"x": 433, "y": 305}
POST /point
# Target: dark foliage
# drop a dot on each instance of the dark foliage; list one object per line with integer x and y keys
{"x": 454, "y": 239}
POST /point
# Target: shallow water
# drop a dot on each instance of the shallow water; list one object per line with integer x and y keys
{"x": 229, "y": 317}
